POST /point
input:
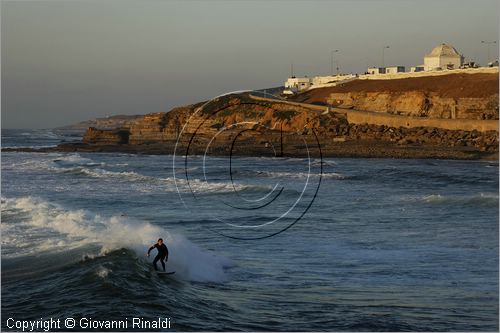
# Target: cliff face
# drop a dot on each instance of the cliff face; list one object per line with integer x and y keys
{"x": 224, "y": 113}
{"x": 453, "y": 96}
{"x": 419, "y": 104}
{"x": 108, "y": 137}
{"x": 257, "y": 125}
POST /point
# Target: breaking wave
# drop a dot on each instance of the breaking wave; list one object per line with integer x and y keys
{"x": 34, "y": 226}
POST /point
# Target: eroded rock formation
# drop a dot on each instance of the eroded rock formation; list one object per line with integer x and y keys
{"x": 453, "y": 96}
{"x": 243, "y": 125}
{"x": 419, "y": 104}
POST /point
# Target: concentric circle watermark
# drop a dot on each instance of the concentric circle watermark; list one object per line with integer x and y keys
{"x": 240, "y": 162}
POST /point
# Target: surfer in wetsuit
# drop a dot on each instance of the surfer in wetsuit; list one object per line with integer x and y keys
{"x": 162, "y": 253}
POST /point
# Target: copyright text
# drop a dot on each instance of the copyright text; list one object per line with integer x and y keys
{"x": 49, "y": 324}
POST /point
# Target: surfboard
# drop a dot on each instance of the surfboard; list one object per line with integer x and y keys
{"x": 165, "y": 273}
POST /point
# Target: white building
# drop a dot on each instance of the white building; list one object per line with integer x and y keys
{"x": 376, "y": 70}
{"x": 296, "y": 84}
{"x": 443, "y": 56}
{"x": 493, "y": 63}
{"x": 324, "y": 80}
{"x": 394, "y": 69}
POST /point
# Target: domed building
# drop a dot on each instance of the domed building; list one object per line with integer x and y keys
{"x": 443, "y": 56}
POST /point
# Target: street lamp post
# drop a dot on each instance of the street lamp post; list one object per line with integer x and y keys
{"x": 488, "y": 43}
{"x": 331, "y": 65}
{"x": 383, "y": 54}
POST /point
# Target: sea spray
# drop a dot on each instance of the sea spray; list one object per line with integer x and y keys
{"x": 71, "y": 229}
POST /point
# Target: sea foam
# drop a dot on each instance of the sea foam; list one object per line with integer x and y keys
{"x": 478, "y": 199}
{"x": 77, "y": 165}
{"x": 63, "y": 229}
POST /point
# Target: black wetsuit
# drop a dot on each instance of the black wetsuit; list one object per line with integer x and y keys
{"x": 162, "y": 255}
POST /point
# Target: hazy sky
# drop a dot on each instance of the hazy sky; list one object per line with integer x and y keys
{"x": 68, "y": 61}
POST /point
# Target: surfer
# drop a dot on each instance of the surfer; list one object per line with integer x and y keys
{"x": 162, "y": 253}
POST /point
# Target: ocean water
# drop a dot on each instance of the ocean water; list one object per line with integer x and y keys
{"x": 257, "y": 244}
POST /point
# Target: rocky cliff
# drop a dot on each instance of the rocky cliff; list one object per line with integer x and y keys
{"x": 241, "y": 124}
{"x": 94, "y": 136}
{"x": 223, "y": 113}
{"x": 419, "y": 104}
{"x": 454, "y": 96}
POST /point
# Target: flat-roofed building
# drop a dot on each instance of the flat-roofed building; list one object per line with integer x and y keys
{"x": 296, "y": 84}
{"x": 394, "y": 69}
{"x": 376, "y": 70}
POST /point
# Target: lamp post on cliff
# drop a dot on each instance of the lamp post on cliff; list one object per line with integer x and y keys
{"x": 331, "y": 65}
{"x": 383, "y": 54}
{"x": 488, "y": 43}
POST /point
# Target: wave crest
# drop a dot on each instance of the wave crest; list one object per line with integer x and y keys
{"x": 33, "y": 225}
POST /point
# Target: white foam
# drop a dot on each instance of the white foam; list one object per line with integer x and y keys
{"x": 29, "y": 146}
{"x": 75, "y": 159}
{"x": 65, "y": 229}
{"x": 103, "y": 272}
{"x": 201, "y": 186}
{"x": 473, "y": 199}
{"x": 432, "y": 198}
{"x": 49, "y": 135}
{"x": 102, "y": 173}
{"x": 332, "y": 175}
{"x": 86, "y": 167}
{"x": 76, "y": 164}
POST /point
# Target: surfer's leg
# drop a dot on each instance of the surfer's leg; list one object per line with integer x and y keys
{"x": 163, "y": 263}
{"x": 155, "y": 261}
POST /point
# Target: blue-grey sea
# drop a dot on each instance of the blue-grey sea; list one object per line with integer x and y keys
{"x": 257, "y": 244}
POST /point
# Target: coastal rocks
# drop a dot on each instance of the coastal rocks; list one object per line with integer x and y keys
{"x": 486, "y": 141}
{"x": 109, "y": 137}
{"x": 243, "y": 125}
{"x": 451, "y": 96}
{"x": 148, "y": 129}
{"x": 160, "y": 127}
{"x": 418, "y": 104}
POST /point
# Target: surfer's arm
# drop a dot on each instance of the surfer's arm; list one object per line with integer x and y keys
{"x": 150, "y": 249}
